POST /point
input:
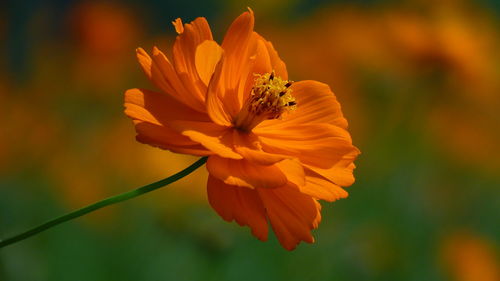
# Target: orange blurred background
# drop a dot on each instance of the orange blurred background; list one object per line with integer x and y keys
{"x": 419, "y": 82}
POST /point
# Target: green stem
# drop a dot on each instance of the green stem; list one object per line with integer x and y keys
{"x": 106, "y": 202}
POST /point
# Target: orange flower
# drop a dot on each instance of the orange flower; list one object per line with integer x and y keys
{"x": 275, "y": 147}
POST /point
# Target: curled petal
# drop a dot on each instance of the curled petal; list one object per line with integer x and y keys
{"x": 342, "y": 172}
{"x": 218, "y": 139}
{"x": 160, "y": 136}
{"x": 179, "y": 27}
{"x": 321, "y": 188}
{"x": 164, "y": 138}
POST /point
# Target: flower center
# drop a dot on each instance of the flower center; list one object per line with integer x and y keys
{"x": 270, "y": 99}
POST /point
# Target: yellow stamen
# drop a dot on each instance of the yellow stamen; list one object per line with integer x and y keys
{"x": 270, "y": 99}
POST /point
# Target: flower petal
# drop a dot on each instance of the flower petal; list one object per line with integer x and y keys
{"x": 179, "y": 27}
{"x": 321, "y": 188}
{"x": 215, "y": 104}
{"x": 160, "y": 136}
{"x": 342, "y": 172}
{"x": 293, "y": 170}
{"x": 248, "y": 146}
{"x": 144, "y": 60}
{"x": 245, "y": 173}
{"x": 316, "y": 103}
{"x": 222, "y": 97}
{"x": 192, "y": 35}
{"x": 154, "y": 73}
{"x": 207, "y": 56}
{"x": 292, "y": 214}
{"x": 152, "y": 113}
{"x": 158, "y": 108}
{"x": 240, "y": 204}
{"x": 277, "y": 64}
{"x": 258, "y": 62}
{"x": 163, "y": 75}
{"x": 235, "y": 45}
{"x": 180, "y": 87}
{"x": 184, "y": 56}
{"x": 262, "y": 63}
{"x": 320, "y": 145}
{"x": 216, "y": 138}
{"x": 262, "y": 59}
{"x": 165, "y": 138}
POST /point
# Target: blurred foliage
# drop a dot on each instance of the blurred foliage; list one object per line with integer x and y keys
{"x": 418, "y": 81}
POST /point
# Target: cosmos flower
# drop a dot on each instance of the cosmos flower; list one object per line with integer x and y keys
{"x": 275, "y": 147}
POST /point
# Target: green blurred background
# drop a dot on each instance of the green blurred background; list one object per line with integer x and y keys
{"x": 419, "y": 82}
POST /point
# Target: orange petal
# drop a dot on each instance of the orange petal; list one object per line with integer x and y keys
{"x": 293, "y": 170}
{"x": 154, "y": 73}
{"x": 262, "y": 59}
{"x": 165, "y": 138}
{"x": 269, "y": 59}
{"x": 236, "y": 45}
{"x": 277, "y": 64}
{"x": 320, "y": 145}
{"x": 262, "y": 63}
{"x": 240, "y": 204}
{"x": 184, "y": 56}
{"x": 217, "y": 139}
{"x": 152, "y": 113}
{"x": 207, "y": 56}
{"x": 215, "y": 105}
{"x": 179, "y": 85}
{"x": 249, "y": 147}
{"x": 161, "y": 72}
{"x": 292, "y": 214}
{"x": 244, "y": 173}
{"x": 316, "y": 103}
{"x": 196, "y": 150}
{"x": 342, "y": 172}
{"x": 321, "y": 188}
{"x": 144, "y": 60}
{"x": 160, "y": 136}
{"x": 158, "y": 108}
{"x": 179, "y": 27}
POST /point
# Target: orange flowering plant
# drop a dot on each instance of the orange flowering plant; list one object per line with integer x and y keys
{"x": 274, "y": 146}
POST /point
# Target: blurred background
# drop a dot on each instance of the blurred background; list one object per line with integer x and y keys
{"x": 419, "y": 82}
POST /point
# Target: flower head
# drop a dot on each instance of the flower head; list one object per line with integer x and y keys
{"x": 275, "y": 147}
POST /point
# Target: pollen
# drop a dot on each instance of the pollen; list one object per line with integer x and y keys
{"x": 270, "y": 98}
